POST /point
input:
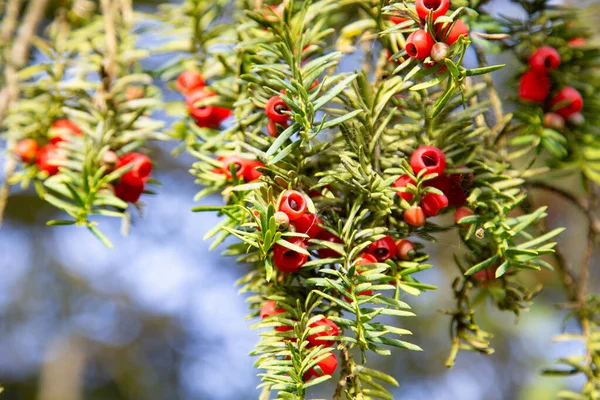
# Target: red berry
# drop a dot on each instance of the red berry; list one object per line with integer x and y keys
{"x": 315, "y": 338}
{"x": 438, "y": 7}
{"x": 206, "y": 116}
{"x": 398, "y": 20}
{"x": 293, "y": 203}
{"x": 414, "y": 216}
{"x": 577, "y": 42}
{"x": 188, "y": 81}
{"x": 461, "y": 213}
{"x": 309, "y": 224}
{"x": 269, "y": 309}
{"x": 544, "y": 59}
{"x": 534, "y": 87}
{"x": 327, "y": 365}
{"x": 240, "y": 166}
{"x": 451, "y": 36}
{"x": 455, "y": 194}
{"x": 129, "y": 190}
{"x": 433, "y": 203}
{"x": 250, "y": 172}
{"x": 406, "y": 249}
{"x": 62, "y": 129}
{"x": 274, "y": 110}
{"x": 403, "y": 182}
{"x": 142, "y": 167}
{"x": 366, "y": 259}
{"x": 383, "y": 249}
{"x": 568, "y": 100}
{"x": 27, "y": 149}
{"x": 48, "y": 159}
{"x": 287, "y": 260}
{"x": 428, "y": 158}
{"x": 419, "y": 44}
{"x": 328, "y": 237}
{"x": 486, "y": 275}
{"x": 273, "y": 130}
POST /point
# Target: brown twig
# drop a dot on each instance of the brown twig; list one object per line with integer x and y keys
{"x": 491, "y": 89}
{"x": 109, "y": 10}
{"x": 346, "y": 371}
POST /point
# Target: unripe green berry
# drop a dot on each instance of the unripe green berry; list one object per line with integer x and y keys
{"x": 439, "y": 52}
{"x": 282, "y": 220}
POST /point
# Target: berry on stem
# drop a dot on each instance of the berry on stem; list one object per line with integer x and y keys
{"x": 462, "y": 213}
{"x": 459, "y": 29}
{"x": 428, "y": 158}
{"x": 328, "y": 237}
{"x": 240, "y": 166}
{"x": 129, "y": 190}
{"x": 272, "y": 127}
{"x": 437, "y": 7}
{"x": 309, "y": 224}
{"x": 189, "y": 81}
{"x": 433, "y": 203}
{"x": 406, "y": 249}
{"x": 274, "y": 110}
{"x": 27, "y": 149}
{"x": 282, "y": 220}
{"x": 315, "y": 338}
{"x": 419, "y": 44}
{"x": 205, "y": 116}
{"x": 327, "y": 365}
{"x": 48, "y": 158}
{"x": 287, "y": 260}
{"x": 293, "y": 203}
{"x": 567, "y": 102}
{"x": 250, "y": 172}
{"x": 383, "y": 249}
{"x": 61, "y": 130}
{"x": 544, "y": 59}
{"x": 142, "y": 167}
{"x": 270, "y": 309}
{"x": 414, "y": 216}
{"x": 403, "y": 182}
{"x": 439, "y": 52}
{"x": 534, "y": 87}
{"x": 554, "y": 121}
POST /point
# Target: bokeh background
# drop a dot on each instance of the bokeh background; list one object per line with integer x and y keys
{"x": 159, "y": 317}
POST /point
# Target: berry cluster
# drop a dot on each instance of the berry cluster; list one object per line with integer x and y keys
{"x": 48, "y": 158}
{"x": 192, "y": 86}
{"x": 432, "y": 41}
{"x": 536, "y": 86}
{"x": 453, "y": 188}
{"x": 242, "y": 168}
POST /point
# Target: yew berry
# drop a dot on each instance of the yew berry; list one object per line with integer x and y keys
{"x": 406, "y": 249}
{"x": 27, "y": 149}
{"x": 544, "y": 60}
{"x": 293, "y": 203}
{"x": 239, "y": 164}
{"x": 274, "y": 110}
{"x": 189, "y": 81}
{"x": 398, "y": 20}
{"x": 129, "y": 190}
{"x": 269, "y": 309}
{"x": 272, "y": 128}
{"x": 250, "y": 172}
{"x": 366, "y": 259}
{"x": 205, "y": 116}
{"x": 567, "y": 102}
{"x": 554, "y": 121}
{"x": 328, "y": 237}
{"x": 433, "y": 203}
{"x": 309, "y": 224}
{"x": 327, "y": 366}
{"x": 315, "y": 338}
{"x": 462, "y": 213}
{"x": 577, "y": 42}
{"x": 452, "y": 187}
{"x": 287, "y": 260}
{"x": 414, "y": 216}
{"x": 439, "y": 52}
{"x": 61, "y": 130}
{"x": 141, "y": 169}
{"x": 48, "y": 158}
{"x": 419, "y": 44}
{"x": 534, "y": 87}
{"x": 403, "y": 182}
{"x": 437, "y": 7}
{"x": 428, "y": 158}
{"x": 486, "y": 275}
{"x": 450, "y": 36}
{"x": 383, "y": 249}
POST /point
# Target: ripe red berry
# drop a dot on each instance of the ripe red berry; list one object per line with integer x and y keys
{"x": 433, "y": 203}
{"x": 328, "y": 237}
{"x": 577, "y": 42}
{"x": 27, "y": 149}
{"x": 315, "y": 338}
{"x": 406, "y": 249}
{"x": 419, "y": 44}
{"x": 142, "y": 167}
{"x": 287, "y": 260}
{"x": 544, "y": 59}
{"x": 273, "y": 130}
{"x": 403, "y": 182}
{"x": 414, "y": 216}
{"x": 205, "y": 116}
{"x": 48, "y": 158}
{"x": 274, "y": 110}
{"x": 327, "y": 365}
{"x": 240, "y": 166}
{"x": 293, "y": 203}
{"x": 250, "y": 172}
{"x": 61, "y": 130}
{"x": 461, "y": 213}
{"x": 451, "y": 36}
{"x": 438, "y": 7}
{"x": 383, "y": 249}
{"x": 188, "y": 81}
{"x": 309, "y": 225}
{"x": 398, "y": 20}
{"x": 129, "y": 190}
{"x": 486, "y": 275}
{"x": 269, "y": 309}
{"x": 534, "y": 87}
{"x": 428, "y": 158}
{"x": 451, "y": 186}
{"x": 567, "y": 102}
